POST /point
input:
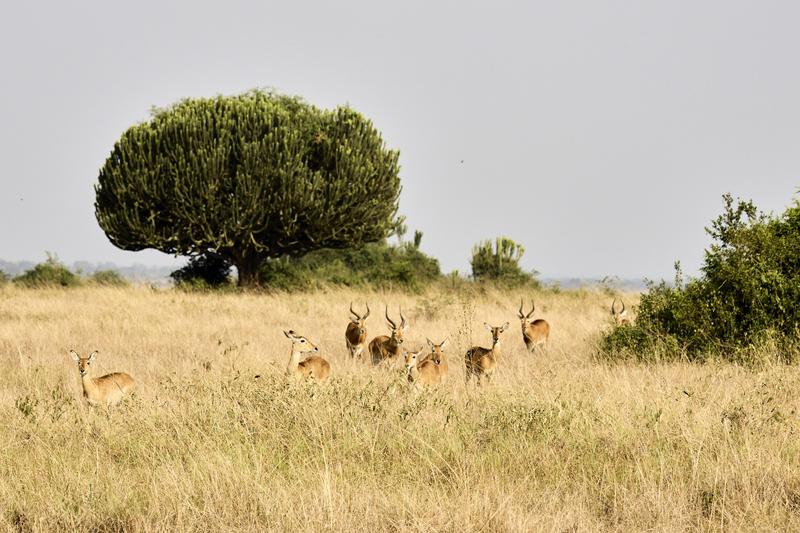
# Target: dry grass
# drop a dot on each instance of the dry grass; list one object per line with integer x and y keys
{"x": 559, "y": 442}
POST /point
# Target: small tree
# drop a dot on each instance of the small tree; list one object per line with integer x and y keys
{"x": 247, "y": 178}
{"x": 499, "y": 261}
{"x": 51, "y": 273}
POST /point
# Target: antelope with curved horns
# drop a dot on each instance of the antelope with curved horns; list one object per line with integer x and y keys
{"x": 312, "y": 367}
{"x": 106, "y": 390}
{"x": 387, "y": 349}
{"x": 482, "y": 362}
{"x": 423, "y": 371}
{"x": 356, "y": 333}
{"x": 620, "y": 317}
{"x": 534, "y": 332}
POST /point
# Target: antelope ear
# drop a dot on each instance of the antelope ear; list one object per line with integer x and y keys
{"x": 505, "y": 326}
{"x": 487, "y": 326}
{"x": 430, "y": 342}
{"x": 289, "y": 334}
{"x": 92, "y": 356}
{"x": 444, "y": 343}
{"x": 75, "y": 356}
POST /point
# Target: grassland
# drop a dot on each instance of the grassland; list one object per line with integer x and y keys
{"x": 559, "y": 442}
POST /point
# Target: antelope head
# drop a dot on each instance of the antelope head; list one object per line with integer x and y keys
{"x": 412, "y": 357}
{"x": 496, "y": 331}
{"x": 358, "y": 320}
{"x": 397, "y": 331}
{"x": 620, "y": 317}
{"x": 525, "y": 319}
{"x": 437, "y": 350}
{"x": 299, "y": 343}
{"x": 83, "y": 362}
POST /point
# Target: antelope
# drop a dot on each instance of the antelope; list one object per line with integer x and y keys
{"x": 356, "y": 333}
{"x": 312, "y": 367}
{"x": 480, "y": 362}
{"x": 534, "y": 332}
{"x": 437, "y": 356}
{"x": 106, "y": 390}
{"x": 620, "y": 317}
{"x": 425, "y": 371}
{"x": 383, "y": 348}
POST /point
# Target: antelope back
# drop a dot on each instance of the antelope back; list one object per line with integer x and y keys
{"x": 425, "y": 371}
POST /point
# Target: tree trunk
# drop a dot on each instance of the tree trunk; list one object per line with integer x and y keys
{"x": 248, "y": 268}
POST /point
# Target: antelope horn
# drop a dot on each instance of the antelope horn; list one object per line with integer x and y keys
{"x": 613, "y": 302}
{"x": 367, "y": 313}
{"x": 402, "y": 318}
{"x": 394, "y": 326}
{"x": 533, "y": 308}
{"x": 521, "y": 314}
{"x": 623, "y": 305}
{"x": 351, "y": 310}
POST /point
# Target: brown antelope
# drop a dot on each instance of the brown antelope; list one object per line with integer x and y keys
{"x": 387, "y": 349}
{"x": 534, "y": 332}
{"x": 356, "y": 333}
{"x": 482, "y": 362}
{"x": 620, "y": 317}
{"x": 106, "y": 390}
{"x": 313, "y": 367}
{"x": 437, "y": 356}
{"x": 422, "y": 370}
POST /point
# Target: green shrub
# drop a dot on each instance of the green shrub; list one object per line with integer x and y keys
{"x": 498, "y": 262}
{"x": 108, "y": 278}
{"x": 51, "y": 273}
{"x": 378, "y": 265}
{"x": 747, "y": 295}
{"x": 203, "y": 272}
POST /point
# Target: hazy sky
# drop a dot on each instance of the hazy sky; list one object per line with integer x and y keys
{"x": 601, "y": 135}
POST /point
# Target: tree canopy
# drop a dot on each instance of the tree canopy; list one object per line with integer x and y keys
{"x": 247, "y": 178}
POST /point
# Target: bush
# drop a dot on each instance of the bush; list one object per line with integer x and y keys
{"x": 203, "y": 272}
{"x": 51, "y": 273}
{"x": 748, "y": 294}
{"x": 108, "y": 278}
{"x": 378, "y": 265}
{"x": 499, "y": 262}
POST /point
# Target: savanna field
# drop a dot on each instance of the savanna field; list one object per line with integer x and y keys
{"x": 559, "y": 441}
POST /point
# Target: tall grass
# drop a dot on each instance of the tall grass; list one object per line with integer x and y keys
{"x": 559, "y": 442}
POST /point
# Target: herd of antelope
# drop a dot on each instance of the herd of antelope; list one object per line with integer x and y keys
{"x": 422, "y": 367}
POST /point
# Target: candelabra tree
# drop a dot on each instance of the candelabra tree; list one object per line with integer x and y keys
{"x": 247, "y": 178}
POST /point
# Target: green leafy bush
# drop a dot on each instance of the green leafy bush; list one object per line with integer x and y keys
{"x": 499, "y": 262}
{"x": 378, "y": 265}
{"x": 202, "y": 272}
{"x": 747, "y": 296}
{"x": 108, "y": 278}
{"x": 51, "y": 273}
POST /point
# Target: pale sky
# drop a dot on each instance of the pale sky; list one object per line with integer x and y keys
{"x": 598, "y": 134}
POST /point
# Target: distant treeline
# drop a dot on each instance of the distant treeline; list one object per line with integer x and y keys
{"x": 378, "y": 265}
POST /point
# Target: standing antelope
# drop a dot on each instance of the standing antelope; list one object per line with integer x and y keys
{"x": 106, "y": 390}
{"x": 534, "y": 332}
{"x": 356, "y": 333}
{"x": 383, "y": 348}
{"x": 312, "y": 367}
{"x": 425, "y": 371}
{"x": 620, "y": 317}
{"x": 437, "y": 355}
{"x": 480, "y": 361}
